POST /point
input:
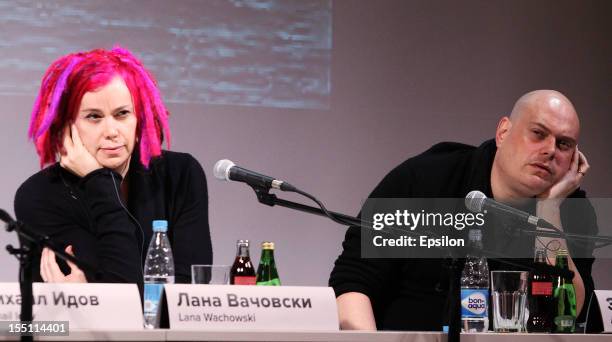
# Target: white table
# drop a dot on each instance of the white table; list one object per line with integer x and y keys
{"x": 294, "y": 336}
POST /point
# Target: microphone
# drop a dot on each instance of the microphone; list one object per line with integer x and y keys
{"x": 4, "y": 216}
{"x": 478, "y": 202}
{"x": 226, "y": 170}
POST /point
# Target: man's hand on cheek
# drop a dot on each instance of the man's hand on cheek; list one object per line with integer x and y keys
{"x": 571, "y": 179}
{"x": 75, "y": 156}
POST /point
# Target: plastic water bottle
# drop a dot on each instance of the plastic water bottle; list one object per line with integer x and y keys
{"x": 475, "y": 287}
{"x": 158, "y": 270}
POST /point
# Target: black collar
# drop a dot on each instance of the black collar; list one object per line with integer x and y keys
{"x": 482, "y": 163}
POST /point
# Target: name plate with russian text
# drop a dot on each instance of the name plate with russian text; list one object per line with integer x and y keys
{"x": 236, "y": 307}
{"x": 604, "y": 298}
{"x": 85, "y": 306}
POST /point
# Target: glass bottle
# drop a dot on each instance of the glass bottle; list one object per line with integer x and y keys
{"x": 266, "y": 272}
{"x": 564, "y": 298}
{"x": 242, "y": 272}
{"x": 540, "y": 296}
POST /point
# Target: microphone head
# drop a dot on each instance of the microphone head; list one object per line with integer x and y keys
{"x": 222, "y": 169}
{"x": 474, "y": 201}
{"x": 4, "y": 216}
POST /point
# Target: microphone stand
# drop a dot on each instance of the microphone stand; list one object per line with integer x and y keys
{"x": 604, "y": 240}
{"x": 453, "y": 298}
{"x": 264, "y": 197}
{"x": 24, "y": 255}
{"x": 30, "y": 242}
{"x": 454, "y": 329}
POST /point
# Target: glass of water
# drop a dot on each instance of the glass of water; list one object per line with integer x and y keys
{"x": 509, "y": 291}
{"x": 210, "y": 274}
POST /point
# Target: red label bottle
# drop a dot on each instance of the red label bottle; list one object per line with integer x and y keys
{"x": 242, "y": 272}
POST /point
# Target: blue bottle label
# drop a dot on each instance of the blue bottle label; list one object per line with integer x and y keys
{"x": 152, "y": 296}
{"x": 474, "y": 303}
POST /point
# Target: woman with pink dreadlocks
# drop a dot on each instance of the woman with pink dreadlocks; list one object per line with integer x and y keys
{"x": 100, "y": 122}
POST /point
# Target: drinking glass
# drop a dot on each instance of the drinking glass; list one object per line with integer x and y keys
{"x": 210, "y": 274}
{"x": 509, "y": 291}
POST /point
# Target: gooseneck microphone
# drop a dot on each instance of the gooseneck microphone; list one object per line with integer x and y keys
{"x": 226, "y": 170}
{"x": 478, "y": 202}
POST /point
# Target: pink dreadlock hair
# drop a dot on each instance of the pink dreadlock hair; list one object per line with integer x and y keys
{"x": 73, "y": 75}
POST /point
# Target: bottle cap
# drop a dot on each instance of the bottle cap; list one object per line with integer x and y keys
{"x": 267, "y": 245}
{"x": 475, "y": 235}
{"x": 242, "y": 243}
{"x": 540, "y": 249}
{"x": 562, "y": 252}
{"x": 160, "y": 226}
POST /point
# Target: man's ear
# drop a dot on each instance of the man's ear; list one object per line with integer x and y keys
{"x": 503, "y": 128}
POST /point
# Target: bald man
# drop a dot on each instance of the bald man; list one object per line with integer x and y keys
{"x": 534, "y": 155}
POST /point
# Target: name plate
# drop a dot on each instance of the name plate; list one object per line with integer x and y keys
{"x": 604, "y": 298}
{"x": 235, "y": 307}
{"x": 84, "y": 306}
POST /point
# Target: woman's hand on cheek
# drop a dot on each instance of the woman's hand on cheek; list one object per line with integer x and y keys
{"x": 75, "y": 156}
